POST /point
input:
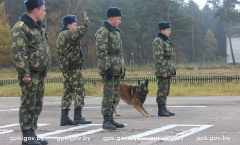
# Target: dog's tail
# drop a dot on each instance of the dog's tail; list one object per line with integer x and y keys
{"x": 98, "y": 88}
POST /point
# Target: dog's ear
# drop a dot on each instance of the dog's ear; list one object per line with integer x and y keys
{"x": 139, "y": 82}
{"x": 146, "y": 83}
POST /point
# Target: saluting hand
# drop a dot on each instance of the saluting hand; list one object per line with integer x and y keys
{"x": 85, "y": 16}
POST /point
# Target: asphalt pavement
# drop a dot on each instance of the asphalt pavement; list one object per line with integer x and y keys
{"x": 198, "y": 120}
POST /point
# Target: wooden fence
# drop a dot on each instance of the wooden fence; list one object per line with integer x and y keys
{"x": 134, "y": 80}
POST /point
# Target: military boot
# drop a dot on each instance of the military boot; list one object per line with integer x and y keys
{"x": 170, "y": 113}
{"x": 161, "y": 111}
{"x": 107, "y": 123}
{"x": 78, "y": 119}
{"x": 118, "y": 125}
{"x": 29, "y": 138}
{"x": 65, "y": 120}
{"x": 43, "y": 142}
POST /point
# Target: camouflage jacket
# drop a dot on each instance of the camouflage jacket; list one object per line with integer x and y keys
{"x": 163, "y": 54}
{"x": 109, "y": 49}
{"x": 68, "y": 47}
{"x": 30, "y": 47}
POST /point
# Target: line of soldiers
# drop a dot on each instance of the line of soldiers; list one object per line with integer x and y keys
{"x": 32, "y": 59}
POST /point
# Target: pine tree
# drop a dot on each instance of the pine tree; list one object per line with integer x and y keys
{"x": 227, "y": 13}
{"x": 211, "y": 46}
{"x": 217, "y": 28}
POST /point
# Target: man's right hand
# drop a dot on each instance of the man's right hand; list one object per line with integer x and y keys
{"x": 164, "y": 75}
{"x": 85, "y": 16}
{"x": 27, "y": 80}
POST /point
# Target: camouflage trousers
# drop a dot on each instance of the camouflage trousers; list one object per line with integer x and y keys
{"x": 163, "y": 89}
{"x": 74, "y": 89}
{"x": 111, "y": 90}
{"x": 31, "y": 101}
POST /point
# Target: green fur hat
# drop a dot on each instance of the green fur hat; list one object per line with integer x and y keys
{"x": 69, "y": 19}
{"x": 32, "y": 4}
{"x": 164, "y": 25}
{"x": 114, "y": 12}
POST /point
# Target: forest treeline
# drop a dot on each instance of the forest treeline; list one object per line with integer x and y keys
{"x": 197, "y": 35}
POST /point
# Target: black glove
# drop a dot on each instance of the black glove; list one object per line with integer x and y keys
{"x": 123, "y": 75}
{"x": 109, "y": 74}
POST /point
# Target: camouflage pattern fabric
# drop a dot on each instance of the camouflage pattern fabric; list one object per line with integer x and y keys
{"x": 74, "y": 89}
{"x": 162, "y": 54}
{"x": 111, "y": 90}
{"x": 30, "y": 47}
{"x": 109, "y": 51}
{"x": 71, "y": 61}
{"x": 161, "y": 50}
{"x": 31, "y": 100}
{"x": 68, "y": 47}
{"x": 32, "y": 59}
{"x": 110, "y": 55}
{"x": 163, "y": 89}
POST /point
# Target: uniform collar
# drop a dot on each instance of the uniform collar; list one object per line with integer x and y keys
{"x": 109, "y": 26}
{"x": 63, "y": 29}
{"x": 29, "y": 21}
{"x": 165, "y": 38}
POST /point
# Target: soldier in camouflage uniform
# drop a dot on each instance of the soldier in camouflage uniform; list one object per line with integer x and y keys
{"x": 32, "y": 61}
{"x": 110, "y": 64}
{"x": 71, "y": 61}
{"x": 164, "y": 68}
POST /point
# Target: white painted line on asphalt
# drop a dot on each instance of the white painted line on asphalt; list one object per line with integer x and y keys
{"x": 61, "y": 131}
{"x": 4, "y": 131}
{"x": 93, "y": 124}
{"x": 65, "y": 130}
{"x": 176, "y": 137}
{"x": 150, "y": 132}
{"x": 14, "y": 109}
{"x": 119, "y": 106}
{"x": 42, "y": 124}
{"x": 192, "y": 131}
{"x": 11, "y": 125}
{"x": 16, "y": 124}
{"x": 10, "y": 110}
{"x": 85, "y": 133}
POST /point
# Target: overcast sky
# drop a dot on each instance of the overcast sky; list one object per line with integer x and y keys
{"x": 201, "y": 3}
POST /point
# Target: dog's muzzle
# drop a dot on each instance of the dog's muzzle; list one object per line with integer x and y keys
{"x": 142, "y": 93}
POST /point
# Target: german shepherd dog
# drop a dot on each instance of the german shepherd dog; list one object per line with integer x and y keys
{"x": 132, "y": 95}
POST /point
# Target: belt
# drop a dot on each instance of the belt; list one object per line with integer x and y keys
{"x": 166, "y": 58}
{"x": 38, "y": 72}
{"x": 113, "y": 54}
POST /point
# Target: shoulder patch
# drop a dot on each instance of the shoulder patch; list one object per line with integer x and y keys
{"x": 20, "y": 41}
{"x": 158, "y": 52}
{"x": 21, "y": 24}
